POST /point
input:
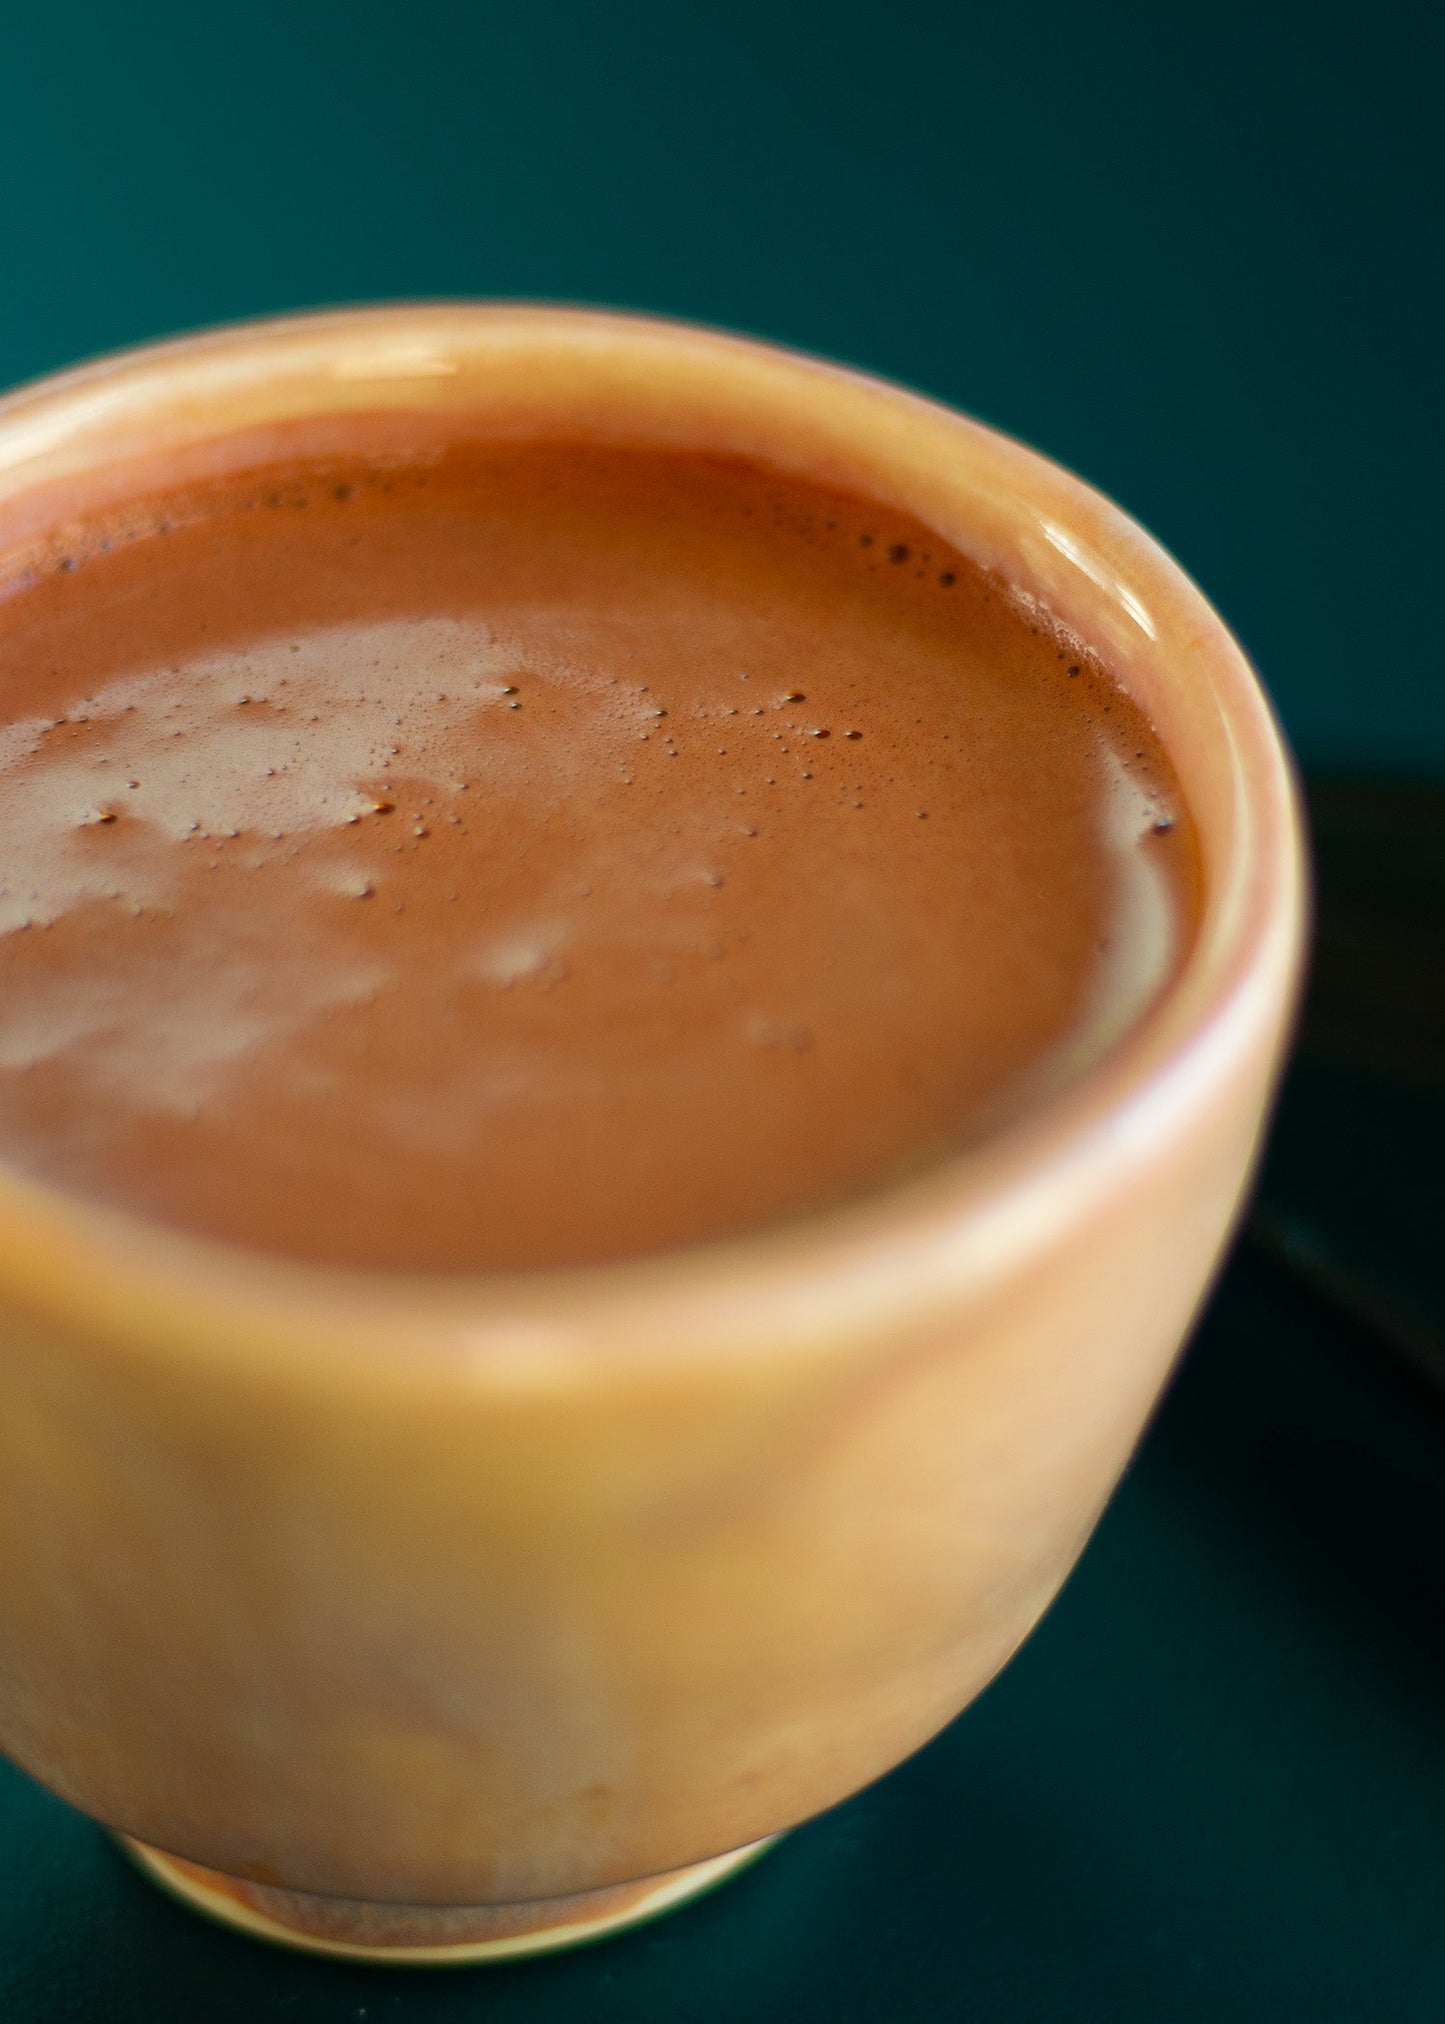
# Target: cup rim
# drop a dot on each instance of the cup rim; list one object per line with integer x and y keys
{"x": 970, "y": 1220}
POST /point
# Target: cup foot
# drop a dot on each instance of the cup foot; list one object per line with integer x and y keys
{"x": 354, "y": 1929}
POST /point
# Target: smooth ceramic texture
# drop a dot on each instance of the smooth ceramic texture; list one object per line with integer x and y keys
{"x": 431, "y": 1936}
{"x": 476, "y": 1592}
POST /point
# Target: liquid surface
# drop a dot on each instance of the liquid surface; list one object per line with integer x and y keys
{"x": 542, "y": 855}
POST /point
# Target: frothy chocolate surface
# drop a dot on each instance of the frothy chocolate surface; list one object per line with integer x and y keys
{"x": 543, "y": 855}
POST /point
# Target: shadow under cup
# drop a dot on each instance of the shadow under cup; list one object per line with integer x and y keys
{"x": 436, "y": 1619}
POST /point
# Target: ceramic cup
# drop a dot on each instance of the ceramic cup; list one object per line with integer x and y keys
{"x": 434, "y": 1618}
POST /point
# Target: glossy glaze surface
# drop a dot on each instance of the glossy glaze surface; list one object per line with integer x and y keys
{"x": 523, "y": 1586}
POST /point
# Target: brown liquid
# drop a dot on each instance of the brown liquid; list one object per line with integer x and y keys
{"x": 540, "y": 855}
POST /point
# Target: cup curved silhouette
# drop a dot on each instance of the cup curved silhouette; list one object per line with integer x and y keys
{"x": 438, "y": 1618}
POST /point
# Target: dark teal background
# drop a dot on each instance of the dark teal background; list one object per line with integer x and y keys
{"x": 1191, "y": 251}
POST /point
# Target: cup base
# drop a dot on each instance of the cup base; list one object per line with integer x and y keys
{"x": 355, "y": 1929}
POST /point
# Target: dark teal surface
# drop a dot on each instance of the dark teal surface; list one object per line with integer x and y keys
{"x": 1211, "y": 1789}
{"x": 1192, "y": 250}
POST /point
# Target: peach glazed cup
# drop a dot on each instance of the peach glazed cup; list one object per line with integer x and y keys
{"x": 440, "y": 1619}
